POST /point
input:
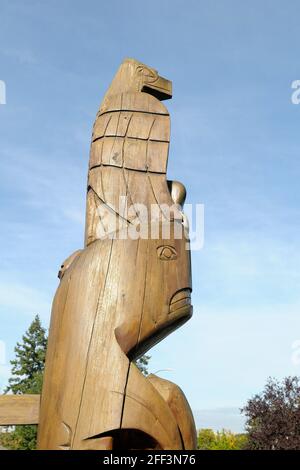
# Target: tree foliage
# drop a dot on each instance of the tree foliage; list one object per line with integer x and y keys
{"x": 27, "y": 377}
{"x": 142, "y": 363}
{"x": 29, "y": 362}
{"x": 273, "y": 416}
{"x": 221, "y": 440}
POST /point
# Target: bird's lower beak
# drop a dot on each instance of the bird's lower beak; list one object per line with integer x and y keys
{"x": 161, "y": 88}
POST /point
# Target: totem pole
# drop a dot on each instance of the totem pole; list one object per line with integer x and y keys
{"x": 125, "y": 291}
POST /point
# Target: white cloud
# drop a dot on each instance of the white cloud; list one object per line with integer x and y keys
{"x": 224, "y": 355}
{"x": 23, "y": 299}
{"x": 247, "y": 269}
{"x": 56, "y": 188}
{"x": 220, "y": 418}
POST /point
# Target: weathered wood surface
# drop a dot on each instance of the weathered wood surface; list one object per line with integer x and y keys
{"x": 119, "y": 296}
{"x": 19, "y": 409}
{"x": 180, "y": 408}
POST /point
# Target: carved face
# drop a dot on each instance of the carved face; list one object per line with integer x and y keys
{"x": 156, "y": 287}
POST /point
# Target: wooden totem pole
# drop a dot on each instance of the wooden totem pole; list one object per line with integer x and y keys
{"x": 125, "y": 291}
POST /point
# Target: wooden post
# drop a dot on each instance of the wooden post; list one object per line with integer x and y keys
{"x": 126, "y": 290}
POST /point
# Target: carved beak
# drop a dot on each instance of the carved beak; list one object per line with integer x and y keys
{"x": 161, "y": 88}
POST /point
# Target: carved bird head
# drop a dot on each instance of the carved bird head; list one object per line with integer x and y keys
{"x": 133, "y": 76}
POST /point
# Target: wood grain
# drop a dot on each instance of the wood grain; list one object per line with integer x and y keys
{"x": 121, "y": 294}
{"x": 180, "y": 408}
{"x": 19, "y": 409}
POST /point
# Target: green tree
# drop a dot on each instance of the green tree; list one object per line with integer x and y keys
{"x": 143, "y": 363}
{"x": 27, "y": 377}
{"x": 273, "y": 416}
{"x": 221, "y": 440}
{"x": 29, "y": 363}
{"x": 206, "y": 439}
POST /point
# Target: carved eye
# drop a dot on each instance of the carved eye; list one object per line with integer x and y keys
{"x": 166, "y": 253}
{"x": 150, "y": 74}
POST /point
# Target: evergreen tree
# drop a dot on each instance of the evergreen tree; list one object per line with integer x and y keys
{"x": 28, "y": 366}
{"x": 27, "y": 377}
{"x": 142, "y": 363}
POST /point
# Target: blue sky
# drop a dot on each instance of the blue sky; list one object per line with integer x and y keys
{"x": 235, "y": 145}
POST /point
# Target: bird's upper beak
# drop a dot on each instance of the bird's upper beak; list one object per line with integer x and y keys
{"x": 161, "y": 88}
